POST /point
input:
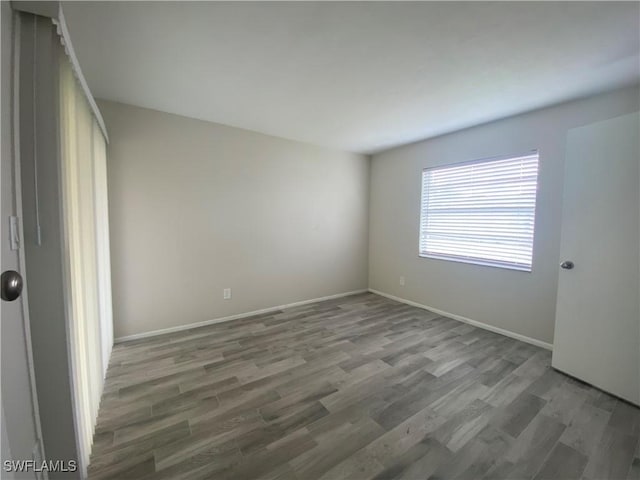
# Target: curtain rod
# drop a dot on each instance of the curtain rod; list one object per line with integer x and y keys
{"x": 53, "y": 10}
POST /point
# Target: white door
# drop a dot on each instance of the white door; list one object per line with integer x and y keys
{"x": 19, "y": 424}
{"x": 597, "y": 334}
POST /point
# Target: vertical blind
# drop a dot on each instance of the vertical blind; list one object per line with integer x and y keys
{"x": 481, "y": 212}
{"x": 86, "y": 233}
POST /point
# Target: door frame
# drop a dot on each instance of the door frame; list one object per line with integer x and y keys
{"x": 17, "y": 198}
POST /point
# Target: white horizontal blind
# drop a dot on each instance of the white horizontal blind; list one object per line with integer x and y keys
{"x": 481, "y": 212}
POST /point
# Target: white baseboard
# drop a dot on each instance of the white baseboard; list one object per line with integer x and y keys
{"x": 238, "y": 316}
{"x": 189, "y": 326}
{"x": 475, "y": 323}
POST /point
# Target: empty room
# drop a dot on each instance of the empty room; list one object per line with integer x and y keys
{"x": 320, "y": 240}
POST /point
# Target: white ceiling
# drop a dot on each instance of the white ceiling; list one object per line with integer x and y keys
{"x": 353, "y": 76}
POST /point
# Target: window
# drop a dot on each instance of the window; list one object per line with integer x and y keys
{"x": 480, "y": 212}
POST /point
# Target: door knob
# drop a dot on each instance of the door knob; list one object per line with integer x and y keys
{"x": 10, "y": 285}
{"x": 567, "y": 265}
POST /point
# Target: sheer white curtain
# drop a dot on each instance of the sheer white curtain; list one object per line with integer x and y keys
{"x": 86, "y": 232}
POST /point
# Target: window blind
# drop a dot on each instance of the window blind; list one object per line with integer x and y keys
{"x": 86, "y": 233}
{"x": 481, "y": 212}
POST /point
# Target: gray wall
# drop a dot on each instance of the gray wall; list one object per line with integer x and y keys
{"x": 196, "y": 207}
{"x": 520, "y": 302}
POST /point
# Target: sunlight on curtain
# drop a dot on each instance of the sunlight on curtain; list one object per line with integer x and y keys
{"x": 83, "y": 161}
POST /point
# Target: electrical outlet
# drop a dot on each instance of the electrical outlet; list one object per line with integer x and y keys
{"x": 226, "y": 294}
{"x": 402, "y": 281}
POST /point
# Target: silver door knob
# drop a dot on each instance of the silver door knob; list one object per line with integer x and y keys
{"x": 567, "y": 265}
{"x": 10, "y": 285}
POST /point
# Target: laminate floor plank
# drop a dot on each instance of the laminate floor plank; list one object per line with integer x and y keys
{"x": 359, "y": 388}
{"x": 563, "y": 463}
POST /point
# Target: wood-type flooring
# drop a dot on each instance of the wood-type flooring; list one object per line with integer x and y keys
{"x": 359, "y": 387}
